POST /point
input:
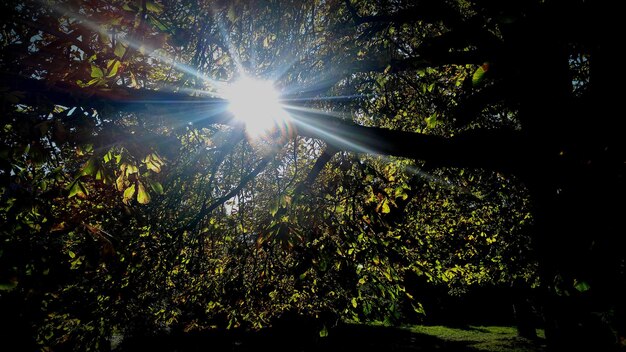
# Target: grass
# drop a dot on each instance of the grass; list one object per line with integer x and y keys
{"x": 348, "y": 337}
{"x": 483, "y": 338}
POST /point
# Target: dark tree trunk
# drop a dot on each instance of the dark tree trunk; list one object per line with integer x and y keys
{"x": 525, "y": 317}
{"x": 577, "y": 183}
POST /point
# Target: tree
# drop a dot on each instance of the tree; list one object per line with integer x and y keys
{"x": 449, "y": 85}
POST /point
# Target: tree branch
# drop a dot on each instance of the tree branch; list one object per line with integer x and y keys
{"x": 321, "y": 161}
{"x": 206, "y": 210}
{"x": 496, "y": 149}
{"x": 422, "y": 10}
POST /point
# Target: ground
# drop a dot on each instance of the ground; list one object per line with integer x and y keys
{"x": 351, "y": 337}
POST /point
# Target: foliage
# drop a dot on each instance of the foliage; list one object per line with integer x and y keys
{"x": 121, "y": 214}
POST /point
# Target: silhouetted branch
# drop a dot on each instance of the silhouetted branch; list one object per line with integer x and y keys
{"x": 206, "y": 210}
{"x": 499, "y": 149}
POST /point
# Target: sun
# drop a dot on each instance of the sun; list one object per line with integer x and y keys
{"x": 256, "y": 103}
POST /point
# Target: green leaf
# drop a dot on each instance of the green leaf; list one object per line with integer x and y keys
{"x": 582, "y": 286}
{"x": 89, "y": 168}
{"x": 156, "y": 186}
{"x": 96, "y": 72}
{"x": 119, "y": 50}
{"x": 157, "y": 23}
{"x": 154, "y": 7}
{"x": 479, "y": 75}
{"x": 385, "y": 208}
{"x": 114, "y": 68}
{"x": 71, "y": 254}
{"x": 324, "y": 331}
{"x": 8, "y": 286}
{"x": 77, "y": 188}
{"x": 431, "y": 122}
{"x": 153, "y": 166}
{"x": 232, "y": 15}
{"x": 143, "y": 197}
{"x": 93, "y": 81}
{"x": 128, "y": 194}
{"x": 354, "y": 303}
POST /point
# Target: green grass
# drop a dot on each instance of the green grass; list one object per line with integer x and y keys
{"x": 483, "y": 338}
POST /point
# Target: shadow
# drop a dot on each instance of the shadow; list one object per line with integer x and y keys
{"x": 342, "y": 338}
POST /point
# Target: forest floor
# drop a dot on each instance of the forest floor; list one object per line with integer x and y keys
{"x": 351, "y": 337}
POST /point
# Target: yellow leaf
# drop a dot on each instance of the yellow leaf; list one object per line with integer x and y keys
{"x": 143, "y": 197}
{"x": 119, "y": 182}
{"x": 128, "y": 194}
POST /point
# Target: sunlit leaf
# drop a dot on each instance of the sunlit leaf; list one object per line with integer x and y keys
{"x": 113, "y": 69}
{"x": 89, "y": 168}
{"x": 431, "y": 121}
{"x": 119, "y": 50}
{"x": 582, "y": 286}
{"x": 143, "y": 197}
{"x": 128, "y": 194}
{"x": 119, "y": 182}
{"x": 154, "y": 7}
{"x": 479, "y": 75}
{"x": 77, "y": 188}
{"x": 324, "y": 331}
{"x": 96, "y": 72}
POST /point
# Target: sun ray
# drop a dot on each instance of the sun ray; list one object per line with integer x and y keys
{"x": 256, "y": 103}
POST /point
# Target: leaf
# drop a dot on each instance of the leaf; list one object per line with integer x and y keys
{"x": 354, "y": 303}
{"x": 479, "y": 75}
{"x": 8, "y": 286}
{"x": 154, "y": 7}
{"x": 582, "y": 286}
{"x": 120, "y": 50}
{"x": 114, "y": 69}
{"x": 89, "y": 168}
{"x": 324, "y": 331}
{"x": 156, "y": 186}
{"x": 153, "y": 166}
{"x": 143, "y": 197}
{"x": 129, "y": 169}
{"x": 127, "y": 7}
{"x": 96, "y": 72}
{"x": 133, "y": 81}
{"x": 231, "y": 15}
{"x": 101, "y": 176}
{"x": 385, "y": 208}
{"x": 128, "y": 194}
{"x": 71, "y": 254}
{"x": 93, "y": 81}
{"x": 431, "y": 122}
{"x": 157, "y": 23}
{"x": 119, "y": 182}
{"x": 78, "y": 189}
